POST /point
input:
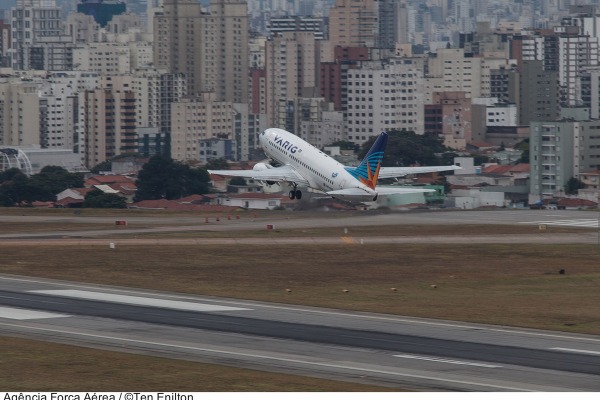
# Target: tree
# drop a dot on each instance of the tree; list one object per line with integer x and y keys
{"x": 53, "y": 180}
{"x": 237, "y": 181}
{"x": 16, "y": 188}
{"x": 104, "y": 166}
{"x": 217, "y": 163}
{"x": 405, "y": 148}
{"x": 99, "y": 199}
{"x": 161, "y": 177}
{"x": 573, "y": 185}
{"x": 346, "y": 145}
{"x": 524, "y": 147}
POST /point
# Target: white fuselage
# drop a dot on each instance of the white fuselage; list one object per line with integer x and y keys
{"x": 321, "y": 171}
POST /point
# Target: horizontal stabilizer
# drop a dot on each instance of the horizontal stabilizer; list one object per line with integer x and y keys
{"x": 394, "y": 172}
{"x": 388, "y": 190}
{"x": 353, "y": 195}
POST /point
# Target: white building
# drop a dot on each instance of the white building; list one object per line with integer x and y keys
{"x": 385, "y": 96}
{"x": 450, "y": 70}
{"x": 196, "y": 119}
{"x": 59, "y": 97}
{"x": 112, "y": 58}
{"x": 20, "y": 119}
{"x": 30, "y": 21}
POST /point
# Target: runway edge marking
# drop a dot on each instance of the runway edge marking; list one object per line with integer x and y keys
{"x": 328, "y": 365}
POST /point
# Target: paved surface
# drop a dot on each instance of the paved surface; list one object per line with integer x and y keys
{"x": 381, "y": 349}
{"x": 586, "y": 221}
{"x": 371, "y": 348}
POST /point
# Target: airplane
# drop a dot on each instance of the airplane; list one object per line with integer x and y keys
{"x": 302, "y": 164}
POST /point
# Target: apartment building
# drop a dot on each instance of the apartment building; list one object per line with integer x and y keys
{"x": 154, "y": 93}
{"x": 453, "y": 70}
{"x": 109, "y": 120}
{"x": 111, "y": 58}
{"x": 5, "y": 43}
{"x": 392, "y": 24}
{"x": 383, "y": 96}
{"x": 20, "y": 122}
{"x": 82, "y": 28}
{"x": 199, "y": 118}
{"x": 59, "y": 100}
{"x": 353, "y": 23}
{"x": 211, "y": 49}
{"x": 333, "y": 75}
{"x": 31, "y": 21}
{"x": 291, "y": 65}
{"x": 297, "y": 23}
{"x": 538, "y": 93}
{"x": 559, "y": 151}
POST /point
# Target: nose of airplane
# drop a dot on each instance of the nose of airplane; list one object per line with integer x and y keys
{"x": 263, "y": 138}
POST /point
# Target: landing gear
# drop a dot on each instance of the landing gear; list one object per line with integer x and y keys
{"x": 295, "y": 193}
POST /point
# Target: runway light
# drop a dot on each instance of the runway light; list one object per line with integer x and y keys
{"x": 288, "y": 290}
{"x": 393, "y": 289}
{"x": 434, "y": 286}
{"x": 345, "y": 290}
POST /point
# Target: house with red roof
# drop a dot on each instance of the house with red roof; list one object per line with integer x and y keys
{"x": 491, "y": 185}
{"x": 121, "y": 184}
{"x": 72, "y": 197}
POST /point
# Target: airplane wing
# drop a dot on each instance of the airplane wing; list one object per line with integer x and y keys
{"x": 387, "y": 190}
{"x": 393, "y": 172}
{"x": 285, "y": 173}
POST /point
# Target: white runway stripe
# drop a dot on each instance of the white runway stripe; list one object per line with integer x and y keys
{"x": 447, "y": 361}
{"x": 139, "y": 301}
{"x": 595, "y": 353}
{"x": 22, "y": 314}
{"x": 587, "y": 223}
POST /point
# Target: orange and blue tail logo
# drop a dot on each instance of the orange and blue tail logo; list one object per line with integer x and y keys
{"x": 368, "y": 170}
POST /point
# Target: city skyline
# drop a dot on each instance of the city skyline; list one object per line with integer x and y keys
{"x": 179, "y": 78}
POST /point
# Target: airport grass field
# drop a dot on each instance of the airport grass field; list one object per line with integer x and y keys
{"x": 514, "y": 285}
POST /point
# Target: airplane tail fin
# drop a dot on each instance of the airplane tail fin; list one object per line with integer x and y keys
{"x": 368, "y": 170}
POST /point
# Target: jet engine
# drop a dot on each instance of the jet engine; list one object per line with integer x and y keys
{"x": 261, "y": 166}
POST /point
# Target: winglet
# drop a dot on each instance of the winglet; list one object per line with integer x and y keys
{"x": 368, "y": 170}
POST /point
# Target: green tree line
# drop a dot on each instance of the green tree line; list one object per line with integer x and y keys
{"x": 18, "y": 189}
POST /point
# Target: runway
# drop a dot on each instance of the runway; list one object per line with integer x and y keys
{"x": 586, "y": 223}
{"x": 362, "y": 347}
{"x": 378, "y": 349}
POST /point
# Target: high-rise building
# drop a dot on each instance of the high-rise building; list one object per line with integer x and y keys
{"x": 297, "y": 23}
{"x": 197, "y": 119}
{"x": 453, "y": 70}
{"x": 155, "y": 92}
{"x": 211, "y": 49}
{"x": 291, "y": 63}
{"x": 538, "y": 93}
{"x": 59, "y": 98}
{"x": 333, "y": 75}
{"x": 559, "y": 151}
{"x": 353, "y": 23}
{"x": 383, "y": 96}
{"x": 109, "y": 120}
{"x": 19, "y": 112}
{"x": 393, "y": 23}
{"x": 32, "y": 21}
{"x": 5, "y": 43}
